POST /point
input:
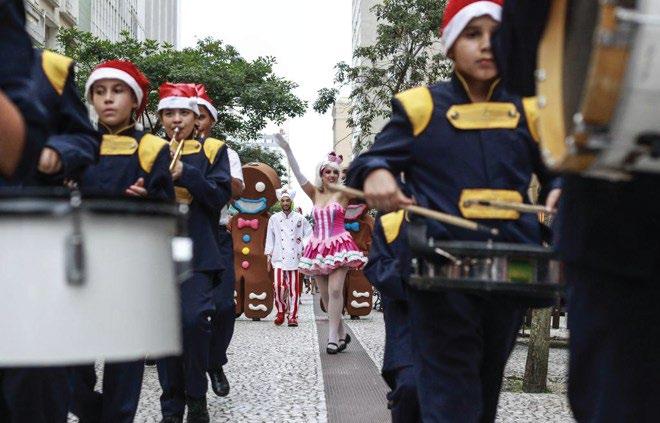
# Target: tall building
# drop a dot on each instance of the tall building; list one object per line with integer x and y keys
{"x": 162, "y": 20}
{"x": 45, "y": 17}
{"x": 342, "y": 142}
{"x": 108, "y": 18}
{"x": 364, "y": 23}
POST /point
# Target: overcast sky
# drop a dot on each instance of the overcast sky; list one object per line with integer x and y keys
{"x": 308, "y": 37}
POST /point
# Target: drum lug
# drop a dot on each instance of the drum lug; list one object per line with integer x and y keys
{"x": 75, "y": 248}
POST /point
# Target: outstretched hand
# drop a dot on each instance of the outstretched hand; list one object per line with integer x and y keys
{"x": 281, "y": 141}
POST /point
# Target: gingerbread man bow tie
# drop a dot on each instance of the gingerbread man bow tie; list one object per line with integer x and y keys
{"x": 248, "y": 223}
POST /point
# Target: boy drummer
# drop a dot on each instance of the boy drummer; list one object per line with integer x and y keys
{"x": 437, "y": 140}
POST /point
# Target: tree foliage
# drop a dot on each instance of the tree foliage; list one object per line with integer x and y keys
{"x": 247, "y": 94}
{"x": 406, "y": 54}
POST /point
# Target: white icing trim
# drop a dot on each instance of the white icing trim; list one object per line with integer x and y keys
{"x": 254, "y": 296}
{"x": 355, "y": 304}
{"x": 358, "y": 294}
{"x": 463, "y": 17}
{"x": 259, "y": 307}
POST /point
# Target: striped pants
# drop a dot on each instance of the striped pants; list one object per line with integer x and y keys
{"x": 287, "y": 291}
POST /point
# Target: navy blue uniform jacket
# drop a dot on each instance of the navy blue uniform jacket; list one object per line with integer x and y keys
{"x": 71, "y": 133}
{"x": 205, "y": 184}
{"x": 16, "y": 57}
{"x": 426, "y": 139}
{"x": 125, "y": 157}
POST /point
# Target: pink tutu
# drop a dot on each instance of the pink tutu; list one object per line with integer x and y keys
{"x": 331, "y": 246}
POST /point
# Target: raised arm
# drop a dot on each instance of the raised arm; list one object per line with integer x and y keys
{"x": 307, "y": 186}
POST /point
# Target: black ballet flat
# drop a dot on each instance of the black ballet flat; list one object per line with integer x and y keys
{"x": 343, "y": 343}
{"x": 332, "y": 350}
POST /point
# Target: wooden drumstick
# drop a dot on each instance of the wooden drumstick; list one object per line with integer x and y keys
{"x": 179, "y": 148}
{"x": 422, "y": 211}
{"x": 508, "y": 205}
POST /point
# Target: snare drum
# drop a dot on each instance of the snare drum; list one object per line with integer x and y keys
{"x": 86, "y": 280}
{"x": 514, "y": 269}
{"x": 599, "y": 87}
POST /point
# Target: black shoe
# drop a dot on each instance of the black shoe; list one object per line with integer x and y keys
{"x": 219, "y": 382}
{"x": 343, "y": 343}
{"x": 332, "y": 348}
{"x": 172, "y": 419}
{"x": 197, "y": 410}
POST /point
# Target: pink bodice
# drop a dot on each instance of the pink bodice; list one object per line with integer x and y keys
{"x": 328, "y": 220}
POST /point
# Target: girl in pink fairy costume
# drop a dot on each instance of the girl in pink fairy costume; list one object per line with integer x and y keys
{"x": 331, "y": 251}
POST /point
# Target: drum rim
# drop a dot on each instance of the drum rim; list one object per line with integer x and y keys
{"x": 56, "y": 201}
{"x": 495, "y": 249}
{"x": 535, "y": 290}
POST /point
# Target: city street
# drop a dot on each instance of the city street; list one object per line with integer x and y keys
{"x": 283, "y": 374}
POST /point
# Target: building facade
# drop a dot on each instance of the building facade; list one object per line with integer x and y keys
{"x": 44, "y": 18}
{"x": 161, "y": 20}
{"x": 106, "y": 19}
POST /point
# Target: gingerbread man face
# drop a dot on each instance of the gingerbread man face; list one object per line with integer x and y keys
{"x": 261, "y": 181}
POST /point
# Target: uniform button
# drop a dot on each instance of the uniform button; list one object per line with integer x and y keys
{"x": 245, "y": 264}
{"x": 246, "y": 238}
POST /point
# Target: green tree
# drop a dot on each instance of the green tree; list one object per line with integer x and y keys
{"x": 248, "y": 93}
{"x": 406, "y": 54}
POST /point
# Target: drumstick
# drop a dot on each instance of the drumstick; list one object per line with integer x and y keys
{"x": 432, "y": 214}
{"x": 179, "y": 148}
{"x": 507, "y": 205}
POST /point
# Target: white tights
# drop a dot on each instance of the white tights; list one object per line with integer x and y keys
{"x": 332, "y": 293}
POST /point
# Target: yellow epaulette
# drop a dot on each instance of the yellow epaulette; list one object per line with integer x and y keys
{"x": 531, "y": 106}
{"x": 148, "y": 149}
{"x": 57, "y": 68}
{"x": 211, "y": 148}
{"x": 418, "y": 104}
{"x": 392, "y": 225}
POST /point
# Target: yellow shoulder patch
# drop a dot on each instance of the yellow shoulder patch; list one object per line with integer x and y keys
{"x": 150, "y": 146}
{"x": 392, "y": 225}
{"x": 211, "y": 148}
{"x": 531, "y": 106}
{"x": 118, "y": 145}
{"x": 486, "y": 115}
{"x": 418, "y": 104}
{"x": 56, "y": 67}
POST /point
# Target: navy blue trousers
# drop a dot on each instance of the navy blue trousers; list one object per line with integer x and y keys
{"x": 222, "y": 321}
{"x": 397, "y": 363}
{"x": 122, "y": 383}
{"x": 34, "y": 395}
{"x": 614, "y": 370}
{"x": 460, "y": 346}
{"x": 185, "y": 375}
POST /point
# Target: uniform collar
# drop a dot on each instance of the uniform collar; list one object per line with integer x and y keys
{"x": 127, "y": 130}
{"x": 460, "y": 83}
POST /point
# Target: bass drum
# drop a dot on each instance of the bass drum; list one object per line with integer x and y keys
{"x": 598, "y": 87}
{"x": 86, "y": 280}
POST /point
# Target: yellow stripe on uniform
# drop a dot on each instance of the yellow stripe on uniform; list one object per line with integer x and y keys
{"x": 56, "y": 67}
{"x": 531, "y": 107}
{"x": 118, "y": 145}
{"x": 487, "y": 115}
{"x": 418, "y": 104}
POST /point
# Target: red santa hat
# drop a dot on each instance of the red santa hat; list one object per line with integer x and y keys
{"x": 203, "y": 99}
{"x": 126, "y": 72}
{"x": 458, "y": 13}
{"x": 177, "y": 96}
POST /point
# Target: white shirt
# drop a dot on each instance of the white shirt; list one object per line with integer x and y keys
{"x": 236, "y": 171}
{"x": 284, "y": 239}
